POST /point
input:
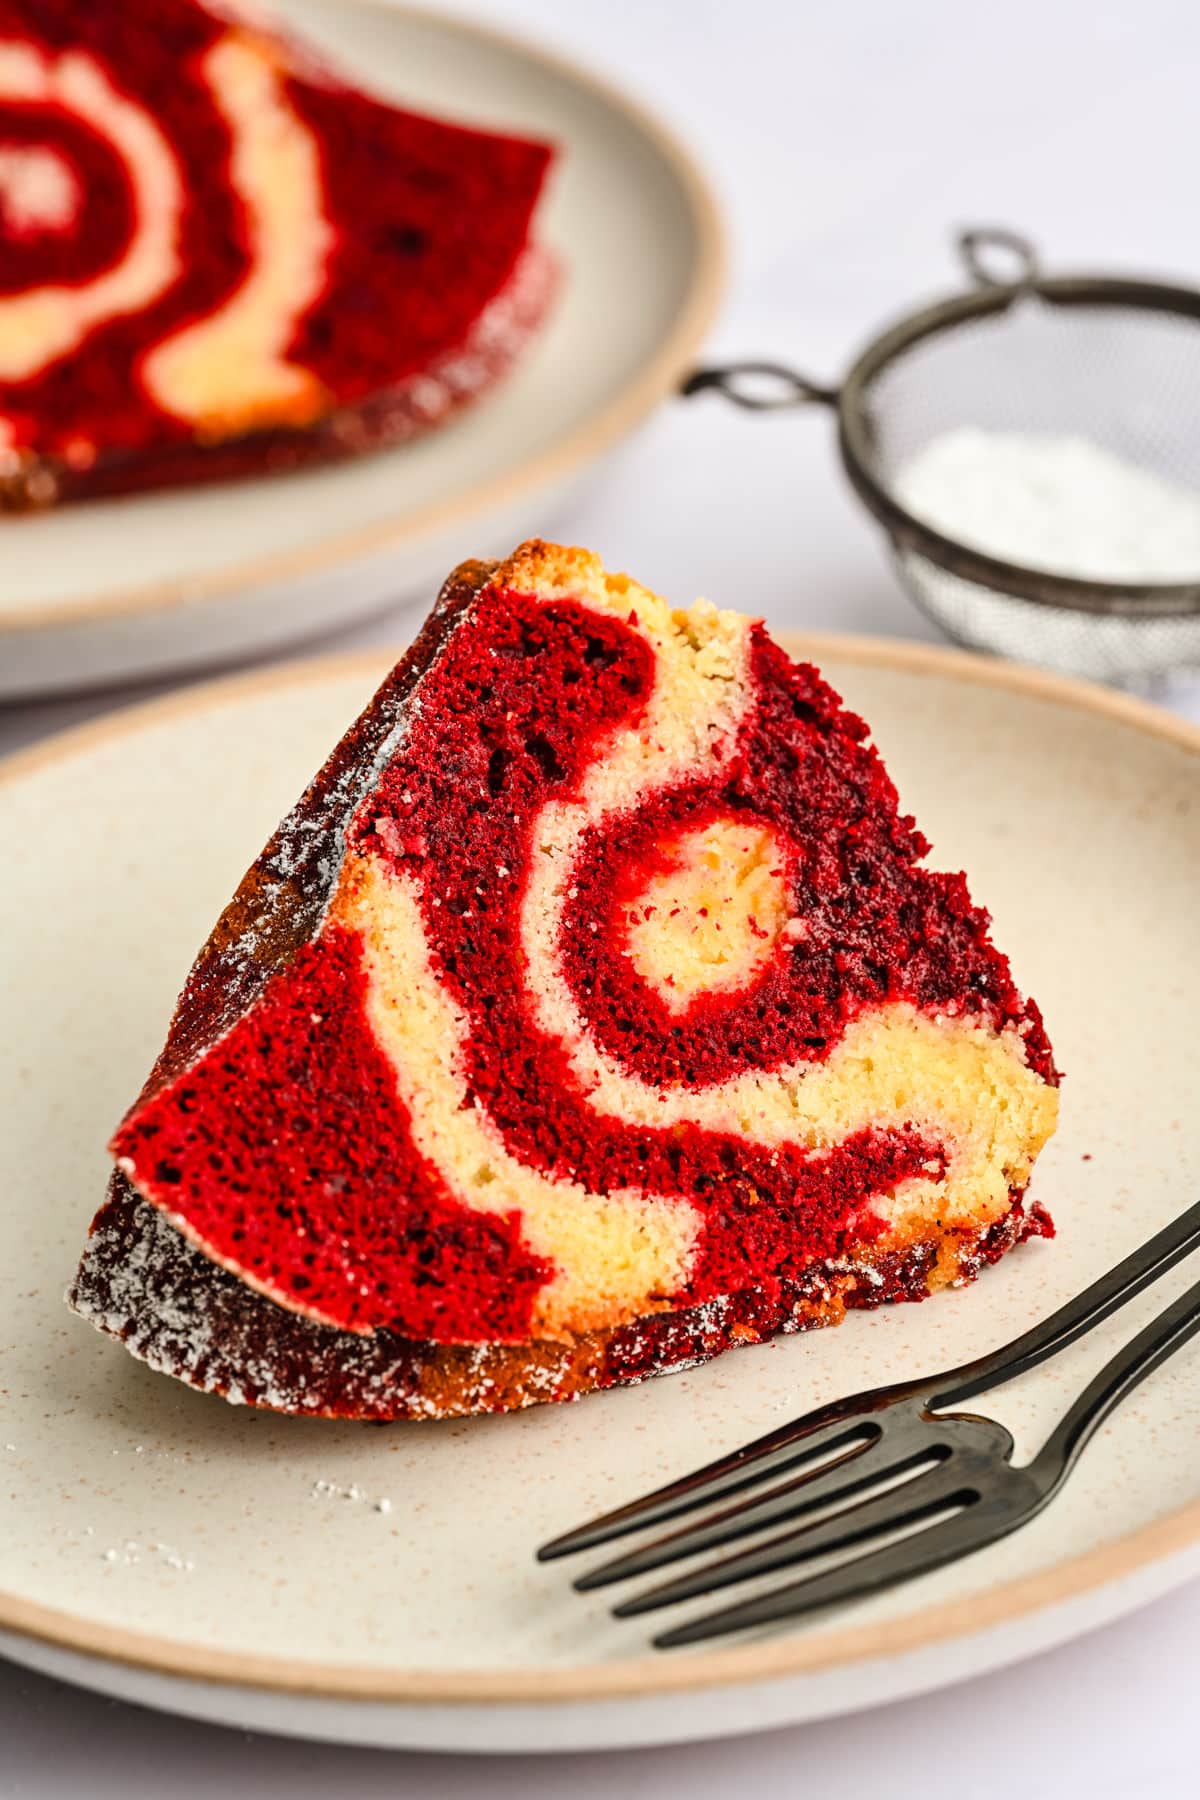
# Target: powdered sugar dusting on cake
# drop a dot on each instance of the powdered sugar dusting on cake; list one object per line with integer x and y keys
{"x": 141, "y": 1282}
{"x": 146, "y": 1285}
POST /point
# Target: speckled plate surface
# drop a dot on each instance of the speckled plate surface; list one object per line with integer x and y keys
{"x": 378, "y": 1584}
{"x": 145, "y": 584}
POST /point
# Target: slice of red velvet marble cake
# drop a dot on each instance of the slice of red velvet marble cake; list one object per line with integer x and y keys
{"x": 592, "y": 1012}
{"x": 218, "y": 259}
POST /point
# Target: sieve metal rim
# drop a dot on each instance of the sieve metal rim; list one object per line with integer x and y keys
{"x": 989, "y": 297}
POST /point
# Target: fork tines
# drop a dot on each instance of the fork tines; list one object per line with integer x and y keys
{"x": 867, "y": 1476}
{"x": 791, "y": 1446}
{"x": 887, "y": 1484}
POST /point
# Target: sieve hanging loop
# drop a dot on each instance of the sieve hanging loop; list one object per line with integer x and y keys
{"x": 741, "y": 382}
{"x": 979, "y": 248}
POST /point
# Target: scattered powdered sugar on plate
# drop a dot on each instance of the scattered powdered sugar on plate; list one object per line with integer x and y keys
{"x": 1059, "y": 503}
{"x": 131, "y": 1551}
{"x": 330, "y": 1490}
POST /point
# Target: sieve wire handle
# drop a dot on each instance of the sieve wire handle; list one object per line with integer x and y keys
{"x": 1018, "y": 266}
{"x": 759, "y": 386}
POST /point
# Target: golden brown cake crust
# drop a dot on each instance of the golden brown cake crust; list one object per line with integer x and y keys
{"x": 143, "y": 1283}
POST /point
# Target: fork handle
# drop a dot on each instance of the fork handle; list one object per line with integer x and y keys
{"x": 1077, "y": 1317}
{"x": 1139, "y": 1358}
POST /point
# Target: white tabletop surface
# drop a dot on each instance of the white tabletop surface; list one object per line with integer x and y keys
{"x": 846, "y": 140}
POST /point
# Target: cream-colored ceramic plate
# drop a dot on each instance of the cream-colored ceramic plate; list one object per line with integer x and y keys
{"x": 143, "y": 585}
{"x": 162, "y": 1545}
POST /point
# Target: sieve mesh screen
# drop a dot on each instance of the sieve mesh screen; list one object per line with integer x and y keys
{"x": 1125, "y": 378}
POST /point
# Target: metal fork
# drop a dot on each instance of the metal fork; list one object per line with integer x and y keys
{"x": 951, "y": 1487}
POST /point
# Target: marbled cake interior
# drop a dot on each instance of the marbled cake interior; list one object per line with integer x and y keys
{"x": 484, "y": 1100}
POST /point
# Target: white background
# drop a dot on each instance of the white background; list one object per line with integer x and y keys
{"x": 847, "y": 140}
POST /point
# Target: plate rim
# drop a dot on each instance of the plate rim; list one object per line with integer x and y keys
{"x": 652, "y": 382}
{"x": 638, "y": 1675}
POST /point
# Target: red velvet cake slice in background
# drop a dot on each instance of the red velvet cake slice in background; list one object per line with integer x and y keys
{"x": 593, "y": 1012}
{"x": 217, "y": 258}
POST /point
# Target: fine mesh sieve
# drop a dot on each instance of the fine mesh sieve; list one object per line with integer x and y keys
{"x": 1107, "y": 360}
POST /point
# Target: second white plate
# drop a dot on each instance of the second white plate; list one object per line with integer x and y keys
{"x": 147, "y": 584}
